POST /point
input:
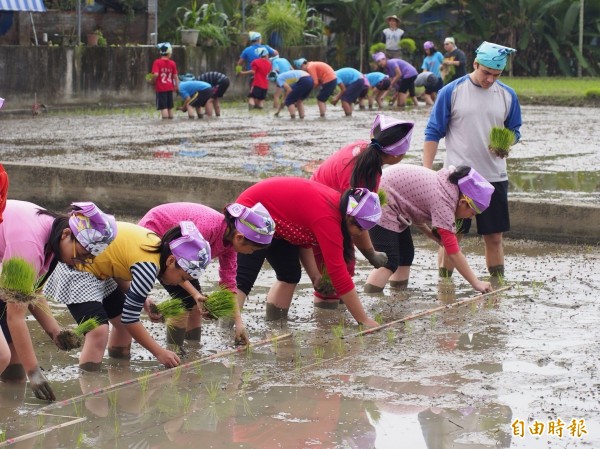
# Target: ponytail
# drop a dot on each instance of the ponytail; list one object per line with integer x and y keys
{"x": 348, "y": 245}
{"x": 458, "y": 173}
{"x": 367, "y": 167}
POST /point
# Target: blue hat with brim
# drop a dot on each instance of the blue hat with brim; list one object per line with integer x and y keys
{"x": 493, "y": 56}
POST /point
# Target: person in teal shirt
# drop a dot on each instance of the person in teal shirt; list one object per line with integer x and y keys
{"x": 196, "y": 95}
{"x": 352, "y": 84}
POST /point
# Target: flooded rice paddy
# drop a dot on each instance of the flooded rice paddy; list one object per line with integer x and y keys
{"x": 555, "y": 160}
{"x": 519, "y": 369}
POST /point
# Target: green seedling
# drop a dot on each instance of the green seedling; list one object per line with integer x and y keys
{"x": 112, "y": 399}
{"x": 338, "y": 331}
{"x": 319, "y": 353}
{"x": 221, "y": 303}
{"x": 80, "y": 439}
{"x": 187, "y": 402}
{"x": 177, "y": 373}
{"x": 170, "y": 309}
{"x": 86, "y": 326}
{"x": 379, "y": 318}
{"x": 145, "y": 381}
{"x": 41, "y": 420}
{"x": 408, "y": 327}
{"x": 275, "y": 343}
{"x": 325, "y": 286}
{"x": 213, "y": 389}
{"x": 18, "y": 280}
{"x": 382, "y": 197}
{"x": 433, "y": 320}
{"x": 501, "y": 140}
{"x": 2, "y": 436}
{"x": 390, "y": 334}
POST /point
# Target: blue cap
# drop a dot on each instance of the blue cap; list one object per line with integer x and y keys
{"x": 493, "y": 56}
{"x": 298, "y": 62}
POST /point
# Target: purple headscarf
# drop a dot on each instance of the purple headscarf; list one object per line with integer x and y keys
{"x": 476, "y": 188}
{"x": 364, "y": 206}
{"x": 92, "y": 228}
{"x": 255, "y": 222}
{"x": 191, "y": 250}
{"x": 404, "y": 134}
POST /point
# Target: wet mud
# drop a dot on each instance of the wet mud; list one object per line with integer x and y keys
{"x": 461, "y": 378}
{"x": 500, "y": 372}
{"x": 554, "y": 160}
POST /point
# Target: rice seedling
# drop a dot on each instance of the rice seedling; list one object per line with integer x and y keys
{"x": 2, "y": 436}
{"x": 112, "y": 399}
{"x": 80, "y": 439}
{"x": 433, "y": 320}
{"x": 319, "y": 353}
{"x": 274, "y": 343}
{"x": 198, "y": 371}
{"x": 325, "y": 286}
{"x": 249, "y": 351}
{"x": 501, "y": 140}
{"x": 213, "y": 389}
{"x": 379, "y": 318}
{"x": 382, "y": 197}
{"x": 390, "y": 335}
{"x": 221, "y": 303}
{"x": 41, "y": 420}
{"x": 145, "y": 381}
{"x": 177, "y": 373}
{"x": 338, "y": 331}
{"x": 170, "y": 309}
{"x": 17, "y": 281}
{"x": 408, "y": 328}
{"x": 68, "y": 339}
{"x": 187, "y": 402}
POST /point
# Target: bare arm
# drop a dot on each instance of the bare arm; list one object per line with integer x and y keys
{"x": 307, "y": 259}
{"x": 356, "y": 309}
{"x": 460, "y": 263}
{"x": 429, "y": 151}
{"x": 139, "y": 333}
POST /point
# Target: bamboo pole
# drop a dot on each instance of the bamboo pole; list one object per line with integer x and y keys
{"x": 11, "y": 441}
{"x": 414, "y": 316}
{"x": 157, "y": 374}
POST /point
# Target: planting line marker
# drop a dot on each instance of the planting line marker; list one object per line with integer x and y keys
{"x": 74, "y": 420}
{"x": 162, "y": 373}
{"x": 414, "y": 316}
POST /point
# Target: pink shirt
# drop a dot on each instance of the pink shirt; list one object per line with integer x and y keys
{"x": 336, "y": 170}
{"x": 24, "y": 234}
{"x": 211, "y": 225}
{"x": 416, "y": 194}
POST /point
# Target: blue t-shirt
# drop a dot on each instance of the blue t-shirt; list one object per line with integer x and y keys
{"x": 290, "y": 77}
{"x": 432, "y": 63}
{"x": 375, "y": 77}
{"x": 347, "y": 75}
{"x": 249, "y": 53}
{"x": 281, "y": 65}
{"x": 189, "y": 88}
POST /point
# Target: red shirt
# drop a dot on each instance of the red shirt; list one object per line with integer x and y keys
{"x": 166, "y": 71}
{"x": 261, "y": 67}
{"x": 307, "y": 213}
{"x": 336, "y": 170}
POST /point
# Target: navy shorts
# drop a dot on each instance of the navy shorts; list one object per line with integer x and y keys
{"x": 110, "y": 307}
{"x": 220, "y": 89}
{"x": 179, "y": 292}
{"x": 398, "y": 246}
{"x": 326, "y": 90}
{"x": 164, "y": 100}
{"x": 433, "y": 89}
{"x": 407, "y": 85}
{"x": 257, "y": 92}
{"x": 352, "y": 92}
{"x": 495, "y": 218}
{"x": 283, "y": 257}
{"x": 200, "y": 98}
{"x": 300, "y": 90}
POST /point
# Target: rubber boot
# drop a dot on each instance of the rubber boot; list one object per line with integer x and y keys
{"x": 496, "y": 271}
{"x": 13, "y": 373}
{"x": 193, "y": 334}
{"x": 399, "y": 285}
{"x": 370, "y": 288}
{"x": 175, "y": 336}
{"x": 445, "y": 272}
{"x": 274, "y": 313}
{"x": 120, "y": 352}
{"x": 90, "y": 366}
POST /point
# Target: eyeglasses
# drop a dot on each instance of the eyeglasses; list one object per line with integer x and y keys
{"x": 85, "y": 259}
{"x": 471, "y": 204}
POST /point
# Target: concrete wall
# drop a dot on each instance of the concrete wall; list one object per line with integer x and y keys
{"x": 109, "y": 75}
{"x": 135, "y": 193}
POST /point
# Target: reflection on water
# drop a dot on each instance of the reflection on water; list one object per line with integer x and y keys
{"x": 574, "y": 186}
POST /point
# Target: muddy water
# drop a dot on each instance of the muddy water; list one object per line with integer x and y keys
{"x": 555, "y": 160}
{"x": 455, "y": 379}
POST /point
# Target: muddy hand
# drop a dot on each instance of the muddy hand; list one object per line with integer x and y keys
{"x": 376, "y": 258}
{"x": 483, "y": 287}
{"x": 323, "y": 287}
{"x": 40, "y": 386}
{"x": 241, "y": 336}
{"x": 152, "y": 311}
{"x": 66, "y": 340}
{"x": 168, "y": 358}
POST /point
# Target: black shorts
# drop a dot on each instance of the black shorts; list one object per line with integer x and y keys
{"x": 433, "y": 89}
{"x": 300, "y": 90}
{"x": 353, "y": 91}
{"x": 110, "y": 307}
{"x": 200, "y": 98}
{"x": 175, "y": 291}
{"x": 257, "y": 92}
{"x": 4, "y": 322}
{"x": 326, "y": 90}
{"x": 398, "y": 246}
{"x": 220, "y": 89}
{"x": 364, "y": 92}
{"x": 164, "y": 100}
{"x": 407, "y": 85}
{"x": 495, "y": 218}
{"x": 283, "y": 257}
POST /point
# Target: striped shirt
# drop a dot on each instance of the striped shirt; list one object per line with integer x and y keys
{"x": 212, "y": 78}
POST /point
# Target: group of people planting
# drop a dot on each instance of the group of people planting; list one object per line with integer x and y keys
{"x": 104, "y": 270}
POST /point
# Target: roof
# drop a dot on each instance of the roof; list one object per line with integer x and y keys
{"x": 22, "y": 5}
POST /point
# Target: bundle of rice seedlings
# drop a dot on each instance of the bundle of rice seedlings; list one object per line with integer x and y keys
{"x": 150, "y": 78}
{"x": 501, "y": 140}
{"x": 17, "y": 281}
{"x": 69, "y": 339}
{"x": 220, "y": 303}
{"x": 170, "y": 309}
{"x": 325, "y": 286}
{"x": 382, "y": 197}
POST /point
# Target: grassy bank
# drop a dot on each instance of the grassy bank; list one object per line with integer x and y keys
{"x": 556, "y": 91}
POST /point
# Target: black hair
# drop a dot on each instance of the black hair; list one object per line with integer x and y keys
{"x": 348, "y": 245}
{"x": 432, "y": 51}
{"x": 368, "y": 164}
{"x": 459, "y": 173}
{"x": 60, "y": 223}
{"x": 230, "y": 220}
{"x": 163, "y": 247}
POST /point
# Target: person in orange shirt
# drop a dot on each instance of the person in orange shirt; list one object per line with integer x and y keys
{"x": 323, "y": 75}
